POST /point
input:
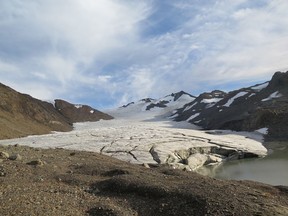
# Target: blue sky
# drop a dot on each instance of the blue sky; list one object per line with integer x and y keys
{"x": 109, "y": 52}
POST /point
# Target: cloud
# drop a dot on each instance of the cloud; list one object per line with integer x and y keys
{"x": 52, "y": 43}
{"x": 108, "y": 52}
{"x": 220, "y": 43}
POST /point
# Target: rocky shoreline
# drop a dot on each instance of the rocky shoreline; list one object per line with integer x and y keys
{"x": 67, "y": 182}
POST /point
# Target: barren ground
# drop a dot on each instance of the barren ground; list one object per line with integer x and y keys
{"x": 67, "y": 182}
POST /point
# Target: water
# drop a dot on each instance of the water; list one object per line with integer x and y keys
{"x": 272, "y": 169}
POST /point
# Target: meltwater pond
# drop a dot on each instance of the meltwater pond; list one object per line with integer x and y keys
{"x": 272, "y": 169}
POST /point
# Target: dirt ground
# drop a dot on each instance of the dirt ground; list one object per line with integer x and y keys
{"x": 62, "y": 182}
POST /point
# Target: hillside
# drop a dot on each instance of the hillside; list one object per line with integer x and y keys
{"x": 22, "y": 115}
{"x": 79, "y": 113}
{"x": 62, "y": 182}
{"x": 247, "y": 109}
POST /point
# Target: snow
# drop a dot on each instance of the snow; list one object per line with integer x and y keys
{"x": 192, "y": 117}
{"x": 92, "y": 111}
{"x": 262, "y": 131}
{"x": 78, "y": 106}
{"x": 260, "y": 87}
{"x": 272, "y": 96}
{"x": 231, "y": 100}
{"x": 211, "y": 100}
{"x": 189, "y": 107}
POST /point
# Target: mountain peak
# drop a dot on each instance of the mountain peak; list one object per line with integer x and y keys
{"x": 177, "y": 95}
{"x": 279, "y": 80}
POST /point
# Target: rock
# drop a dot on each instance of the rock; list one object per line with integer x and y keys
{"x": 36, "y": 163}
{"x": 146, "y": 165}
{"x": 2, "y": 172}
{"x": 15, "y": 157}
{"x": 4, "y": 155}
{"x": 79, "y": 113}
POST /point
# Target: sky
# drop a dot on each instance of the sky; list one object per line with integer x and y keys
{"x": 106, "y": 53}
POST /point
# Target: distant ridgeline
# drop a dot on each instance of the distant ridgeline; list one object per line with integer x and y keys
{"x": 262, "y": 107}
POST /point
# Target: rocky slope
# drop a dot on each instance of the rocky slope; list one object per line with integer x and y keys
{"x": 22, "y": 115}
{"x": 247, "y": 109}
{"x": 79, "y": 113}
{"x": 62, "y": 182}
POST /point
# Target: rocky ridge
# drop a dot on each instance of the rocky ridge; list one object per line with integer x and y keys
{"x": 171, "y": 101}
{"x": 22, "y": 115}
{"x": 247, "y": 109}
{"x": 79, "y": 113}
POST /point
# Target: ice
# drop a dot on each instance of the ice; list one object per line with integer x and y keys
{"x": 134, "y": 138}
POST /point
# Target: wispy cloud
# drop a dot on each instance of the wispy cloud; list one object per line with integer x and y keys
{"x": 109, "y": 52}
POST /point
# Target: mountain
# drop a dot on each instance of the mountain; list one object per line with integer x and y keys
{"x": 22, "y": 115}
{"x": 153, "y": 107}
{"x": 247, "y": 109}
{"x": 79, "y": 113}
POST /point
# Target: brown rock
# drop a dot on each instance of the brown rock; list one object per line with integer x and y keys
{"x": 23, "y": 115}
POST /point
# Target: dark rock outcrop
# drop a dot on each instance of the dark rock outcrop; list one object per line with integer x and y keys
{"x": 247, "y": 109}
{"x": 79, "y": 113}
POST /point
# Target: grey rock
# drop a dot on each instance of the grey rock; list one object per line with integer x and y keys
{"x": 2, "y": 172}
{"x": 36, "y": 163}
{"x": 15, "y": 157}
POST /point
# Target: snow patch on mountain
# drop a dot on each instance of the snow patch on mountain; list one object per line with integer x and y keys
{"x": 262, "y": 131}
{"x": 211, "y": 100}
{"x": 260, "y": 87}
{"x": 272, "y": 96}
{"x": 231, "y": 100}
{"x": 193, "y": 117}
